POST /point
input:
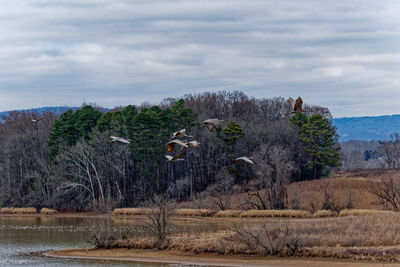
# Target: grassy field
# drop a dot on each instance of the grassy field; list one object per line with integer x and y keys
{"x": 374, "y": 237}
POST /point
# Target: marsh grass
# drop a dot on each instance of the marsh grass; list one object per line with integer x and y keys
{"x": 194, "y": 212}
{"x": 360, "y": 212}
{"x": 358, "y": 237}
{"x": 27, "y": 210}
{"x": 130, "y": 211}
{"x": 275, "y": 213}
{"x": 6, "y": 210}
{"x": 324, "y": 213}
{"x": 48, "y": 211}
{"x": 229, "y": 213}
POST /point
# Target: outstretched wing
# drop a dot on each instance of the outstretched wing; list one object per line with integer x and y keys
{"x": 292, "y": 103}
{"x": 178, "y": 156}
{"x": 298, "y": 105}
{"x": 170, "y": 146}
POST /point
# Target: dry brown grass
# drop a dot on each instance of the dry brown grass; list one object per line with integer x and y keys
{"x": 130, "y": 211}
{"x": 27, "y": 210}
{"x": 275, "y": 213}
{"x": 358, "y": 212}
{"x": 228, "y": 213}
{"x": 6, "y": 210}
{"x": 48, "y": 211}
{"x": 193, "y": 212}
{"x": 324, "y": 213}
{"x": 361, "y": 237}
{"x": 215, "y": 242}
{"x": 310, "y": 193}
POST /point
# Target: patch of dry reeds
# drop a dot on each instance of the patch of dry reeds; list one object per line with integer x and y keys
{"x": 324, "y": 213}
{"x": 358, "y": 212}
{"x": 228, "y": 213}
{"x": 275, "y": 213}
{"x": 130, "y": 211}
{"x": 6, "y": 210}
{"x": 48, "y": 211}
{"x": 27, "y": 210}
{"x": 194, "y": 212}
{"x": 216, "y": 242}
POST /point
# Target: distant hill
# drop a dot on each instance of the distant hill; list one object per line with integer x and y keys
{"x": 367, "y": 128}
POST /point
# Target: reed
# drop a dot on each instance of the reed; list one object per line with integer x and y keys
{"x": 48, "y": 211}
{"x": 194, "y": 212}
{"x": 358, "y": 212}
{"x": 275, "y": 213}
{"x": 324, "y": 213}
{"x": 130, "y": 211}
{"x": 228, "y": 213}
{"x": 6, "y": 210}
{"x": 27, "y": 210}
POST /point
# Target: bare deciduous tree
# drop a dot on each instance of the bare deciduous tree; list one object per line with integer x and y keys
{"x": 273, "y": 171}
{"x": 159, "y": 216}
{"x": 387, "y": 191}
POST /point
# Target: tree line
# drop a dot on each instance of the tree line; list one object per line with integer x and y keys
{"x": 68, "y": 162}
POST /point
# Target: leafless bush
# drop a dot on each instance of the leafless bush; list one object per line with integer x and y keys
{"x": 159, "y": 215}
{"x": 273, "y": 171}
{"x": 268, "y": 239}
{"x": 101, "y": 234}
{"x": 223, "y": 189}
{"x": 387, "y": 191}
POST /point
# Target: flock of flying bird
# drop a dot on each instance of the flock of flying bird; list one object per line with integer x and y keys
{"x": 211, "y": 124}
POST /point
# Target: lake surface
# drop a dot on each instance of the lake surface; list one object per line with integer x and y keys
{"x": 22, "y": 238}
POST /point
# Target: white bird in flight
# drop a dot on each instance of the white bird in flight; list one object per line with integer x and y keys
{"x": 213, "y": 124}
{"x": 180, "y": 134}
{"x": 246, "y": 159}
{"x": 119, "y": 139}
{"x": 37, "y": 120}
{"x": 193, "y": 143}
{"x": 176, "y": 158}
{"x": 171, "y": 145}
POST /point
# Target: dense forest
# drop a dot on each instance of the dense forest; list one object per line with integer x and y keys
{"x": 68, "y": 161}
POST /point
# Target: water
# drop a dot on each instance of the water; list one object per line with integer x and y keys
{"x": 23, "y": 238}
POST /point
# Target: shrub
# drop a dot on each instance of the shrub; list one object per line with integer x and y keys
{"x": 101, "y": 235}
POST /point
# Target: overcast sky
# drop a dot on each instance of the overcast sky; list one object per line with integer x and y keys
{"x": 344, "y": 55}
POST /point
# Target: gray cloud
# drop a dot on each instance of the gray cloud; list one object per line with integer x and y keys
{"x": 343, "y": 54}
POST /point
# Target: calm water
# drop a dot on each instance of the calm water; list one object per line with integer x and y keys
{"x": 22, "y": 237}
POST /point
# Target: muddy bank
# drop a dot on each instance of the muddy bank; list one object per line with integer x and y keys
{"x": 137, "y": 255}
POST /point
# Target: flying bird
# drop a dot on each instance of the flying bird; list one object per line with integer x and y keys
{"x": 37, "y": 120}
{"x": 193, "y": 143}
{"x": 296, "y": 106}
{"x": 213, "y": 124}
{"x": 119, "y": 139}
{"x": 171, "y": 145}
{"x": 246, "y": 159}
{"x": 176, "y": 158}
{"x": 180, "y": 134}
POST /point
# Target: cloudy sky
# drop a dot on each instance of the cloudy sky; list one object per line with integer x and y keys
{"x": 344, "y": 55}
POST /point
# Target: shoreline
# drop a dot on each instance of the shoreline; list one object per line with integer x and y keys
{"x": 206, "y": 259}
